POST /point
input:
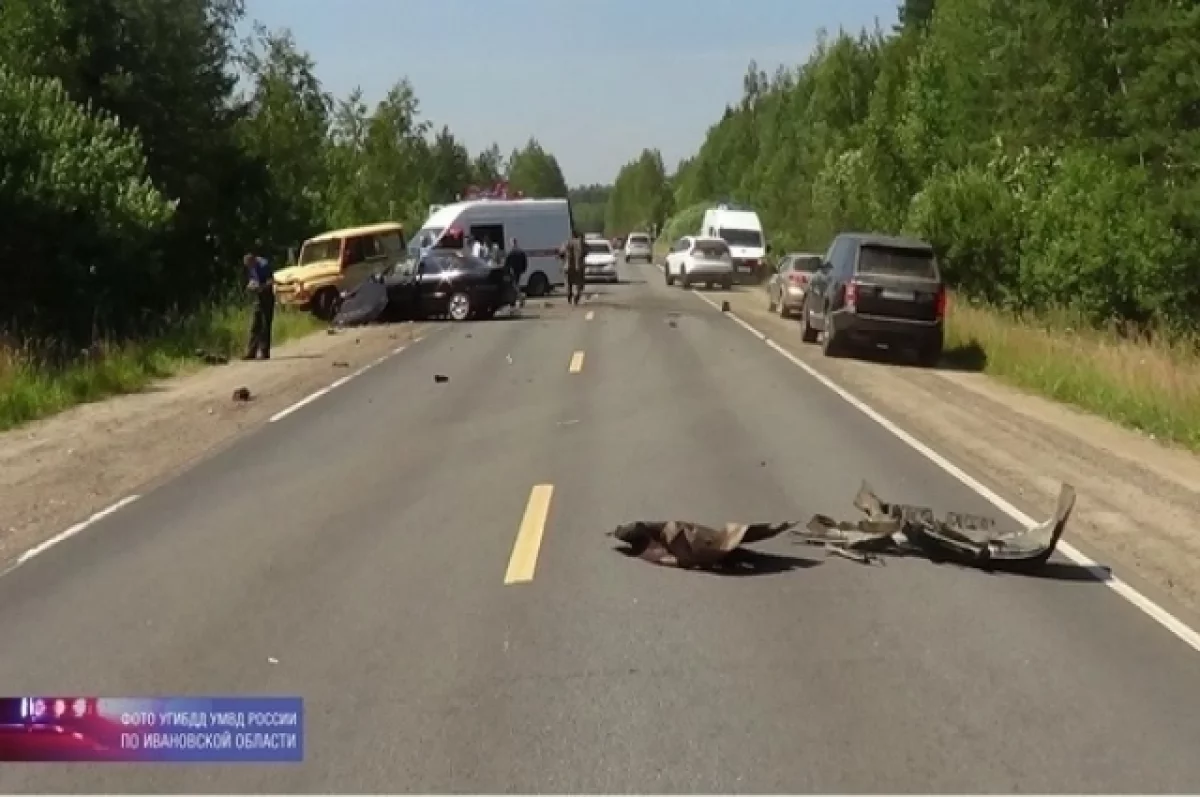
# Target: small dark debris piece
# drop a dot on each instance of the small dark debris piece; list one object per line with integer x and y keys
{"x": 547, "y": 304}
{"x": 440, "y": 378}
{"x": 469, "y": 335}
{"x": 242, "y": 394}
{"x": 724, "y": 307}
{"x": 331, "y": 331}
{"x": 671, "y": 322}
{"x": 340, "y": 364}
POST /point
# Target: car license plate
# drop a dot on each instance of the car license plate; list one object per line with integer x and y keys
{"x": 900, "y": 296}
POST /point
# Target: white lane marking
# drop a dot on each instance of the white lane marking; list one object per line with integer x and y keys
{"x": 316, "y": 394}
{"x": 68, "y": 533}
{"x": 1157, "y": 613}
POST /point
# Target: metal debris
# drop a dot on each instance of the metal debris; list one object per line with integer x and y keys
{"x": 340, "y": 364}
{"x": 724, "y": 307}
{"x": 242, "y": 394}
{"x": 677, "y": 543}
{"x": 440, "y": 378}
{"x": 887, "y": 529}
{"x": 904, "y": 529}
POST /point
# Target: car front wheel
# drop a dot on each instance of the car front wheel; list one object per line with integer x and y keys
{"x": 459, "y": 307}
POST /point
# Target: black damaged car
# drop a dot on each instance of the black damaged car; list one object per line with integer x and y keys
{"x": 446, "y": 284}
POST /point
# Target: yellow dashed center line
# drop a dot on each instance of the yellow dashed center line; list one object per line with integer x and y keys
{"x": 525, "y": 550}
{"x": 576, "y": 362}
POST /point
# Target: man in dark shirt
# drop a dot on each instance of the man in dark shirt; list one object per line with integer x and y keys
{"x": 517, "y": 263}
{"x": 262, "y": 285}
{"x": 572, "y": 255}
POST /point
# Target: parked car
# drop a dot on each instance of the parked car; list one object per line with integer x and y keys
{"x": 789, "y": 284}
{"x": 873, "y": 289}
{"x": 639, "y": 247}
{"x": 442, "y": 283}
{"x": 695, "y": 259}
{"x": 599, "y": 262}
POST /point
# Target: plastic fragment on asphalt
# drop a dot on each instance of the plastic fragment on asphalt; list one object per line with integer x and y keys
{"x": 724, "y": 307}
{"x": 340, "y": 364}
{"x": 242, "y": 394}
{"x": 905, "y": 530}
{"x": 439, "y": 378}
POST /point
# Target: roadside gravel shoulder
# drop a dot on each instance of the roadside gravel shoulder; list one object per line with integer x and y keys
{"x": 1138, "y": 498}
{"x": 60, "y": 470}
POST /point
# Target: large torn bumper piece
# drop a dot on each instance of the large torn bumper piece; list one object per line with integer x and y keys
{"x": 679, "y": 543}
{"x": 364, "y": 305}
{"x": 902, "y": 529}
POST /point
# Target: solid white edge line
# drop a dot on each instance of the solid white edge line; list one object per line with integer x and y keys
{"x": 311, "y": 397}
{"x": 1180, "y": 629}
{"x": 70, "y": 532}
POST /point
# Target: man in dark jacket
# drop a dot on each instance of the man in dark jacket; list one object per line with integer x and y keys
{"x": 517, "y": 263}
{"x": 572, "y": 255}
{"x": 262, "y": 285}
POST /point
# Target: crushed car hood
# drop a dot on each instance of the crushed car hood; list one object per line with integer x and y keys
{"x": 322, "y": 269}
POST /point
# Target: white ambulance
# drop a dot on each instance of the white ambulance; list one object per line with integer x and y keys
{"x": 742, "y": 231}
{"x": 541, "y": 227}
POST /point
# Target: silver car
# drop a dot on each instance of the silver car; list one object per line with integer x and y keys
{"x": 789, "y": 284}
{"x": 639, "y": 247}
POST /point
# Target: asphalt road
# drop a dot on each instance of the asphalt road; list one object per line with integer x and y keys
{"x": 356, "y": 553}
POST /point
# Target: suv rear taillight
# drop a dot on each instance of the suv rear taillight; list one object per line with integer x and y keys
{"x": 940, "y": 302}
{"x": 851, "y": 295}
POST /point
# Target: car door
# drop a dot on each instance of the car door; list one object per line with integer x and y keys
{"x": 403, "y": 289}
{"x": 819, "y": 285}
{"x": 779, "y": 279}
{"x": 432, "y": 289}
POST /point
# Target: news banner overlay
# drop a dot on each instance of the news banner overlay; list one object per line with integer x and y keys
{"x": 152, "y": 729}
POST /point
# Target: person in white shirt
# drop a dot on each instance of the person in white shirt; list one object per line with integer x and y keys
{"x": 479, "y": 249}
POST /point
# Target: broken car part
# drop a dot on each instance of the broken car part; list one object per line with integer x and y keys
{"x": 679, "y": 543}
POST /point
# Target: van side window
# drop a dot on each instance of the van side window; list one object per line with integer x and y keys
{"x": 355, "y": 251}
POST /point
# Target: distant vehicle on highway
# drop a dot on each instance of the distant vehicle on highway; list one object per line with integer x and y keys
{"x": 335, "y": 262}
{"x": 639, "y": 247}
{"x": 540, "y": 226}
{"x": 443, "y": 283}
{"x": 873, "y": 289}
{"x": 695, "y": 259}
{"x": 741, "y": 229}
{"x": 599, "y": 261}
{"x": 789, "y": 284}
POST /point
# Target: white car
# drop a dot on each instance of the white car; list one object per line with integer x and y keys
{"x": 696, "y": 259}
{"x": 599, "y": 260}
{"x": 639, "y": 247}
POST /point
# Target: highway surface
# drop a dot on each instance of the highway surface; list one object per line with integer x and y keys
{"x": 357, "y": 552}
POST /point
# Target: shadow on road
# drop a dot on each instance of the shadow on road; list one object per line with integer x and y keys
{"x": 967, "y": 358}
{"x": 745, "y": 562}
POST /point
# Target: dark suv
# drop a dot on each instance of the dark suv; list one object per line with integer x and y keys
{"x": 874, "y": 289}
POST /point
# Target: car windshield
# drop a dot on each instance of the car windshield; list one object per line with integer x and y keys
{"x": 710, "y": 249}
{"x": 425, "y": 237}
{"x": 643, "y": 240}
{"x": 316, "y": 251}
{"x": 735, "y": 237}
{"x": 806, "y": 262}
{"x": 597, "y": 248}
{"x": 897, "y": 262}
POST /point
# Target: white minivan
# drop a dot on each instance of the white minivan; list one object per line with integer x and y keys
{"x": 743, "y": 232}
{"x": 541, "y": 227}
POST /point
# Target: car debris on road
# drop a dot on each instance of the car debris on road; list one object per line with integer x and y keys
{"x": 888, "y": 529}
{"x": 903, "y": 529}
{"x": 242, "y": 394}
{"x": 680, "y": 543}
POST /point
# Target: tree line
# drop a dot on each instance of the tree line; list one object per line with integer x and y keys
{"x": 135, "y": 171}
{"x": 1049, "y": 150}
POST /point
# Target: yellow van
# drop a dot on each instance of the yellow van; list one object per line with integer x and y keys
{"x": 335, "y": 262}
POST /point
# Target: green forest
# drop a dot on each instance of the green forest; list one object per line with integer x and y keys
{"x": 1050, "y": 151}
{"x": 146, "y": 146}
{"x": 138, "y": 170}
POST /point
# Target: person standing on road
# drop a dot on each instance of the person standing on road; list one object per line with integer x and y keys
{"x": 572, "y": 255}
{"x": 262, "y": 286}
{"x": 517, "y": 263}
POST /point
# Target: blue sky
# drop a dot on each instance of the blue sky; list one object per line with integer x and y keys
{"x": 594, "y": 82}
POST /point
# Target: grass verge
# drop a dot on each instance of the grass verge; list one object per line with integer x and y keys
{"x": 30, "y": 389}
{"x": 1152, "y": 387}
